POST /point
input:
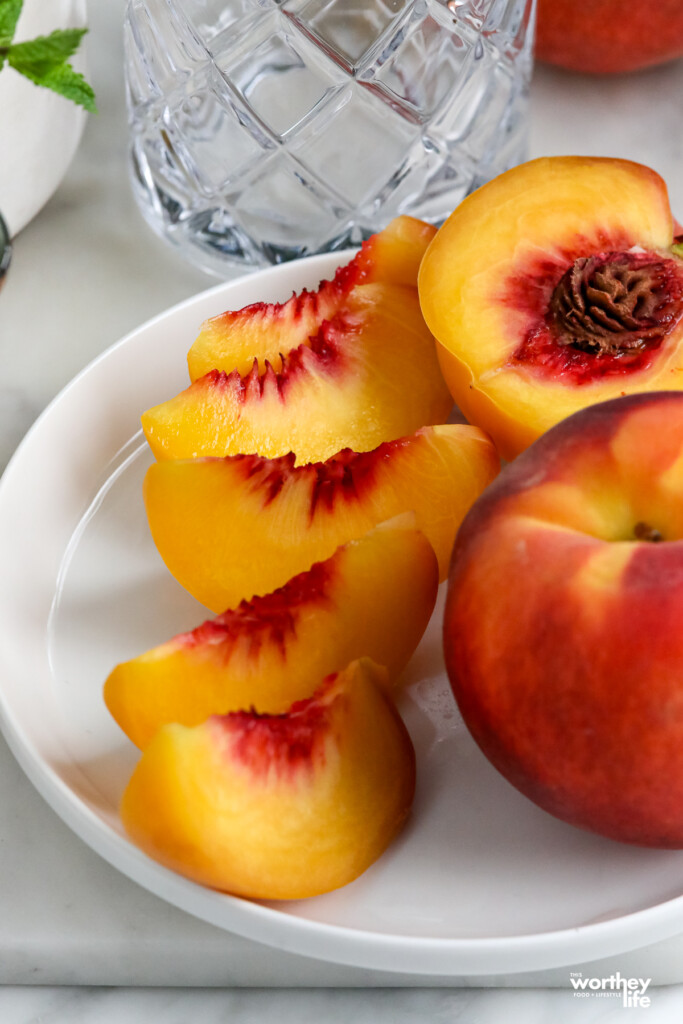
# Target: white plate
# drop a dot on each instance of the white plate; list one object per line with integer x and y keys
{"x": 480, "y": 882}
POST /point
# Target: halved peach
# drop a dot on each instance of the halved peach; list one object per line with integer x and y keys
{"x": 373, "y": 597}
{"x": 243, "y": 525}
{"x": 267, "y": 331}
{"x": 553, "y": 287}
{"x": 370, "y": 374}
{"x": 278, "y": 806}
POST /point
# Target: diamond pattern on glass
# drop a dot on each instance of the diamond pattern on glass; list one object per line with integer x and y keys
{"x": 355, "y": 144}
{"x": 214, "y": 18}
{"x": 283, "y": 209}
{"x": 165, "y": 38}
{"x": 212, "y": 129}
{"x": 347, "y": 29}
{"x": 280, "y": 74}
{"x": 511, "y": 34}
{"x": 262, "y": 130}
{"x": 420, "y": 68}
{"x": 406, "y": 186}
{"x": 141, "y": 85}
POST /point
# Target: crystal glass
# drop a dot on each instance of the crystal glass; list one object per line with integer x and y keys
{"x": 265, "y": 130}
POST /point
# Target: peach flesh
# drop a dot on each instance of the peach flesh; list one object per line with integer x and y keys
{"x": 278, "y": 807}
{"x": 265, "y": 331}
{"x": 569, "y": 677}
{"x": 294, "y": 321}
{"x": 373, "y": 597}
{"x": 231, "y": 528}
{"x": 369, "y": 374}
{"x": 495, "y": 282}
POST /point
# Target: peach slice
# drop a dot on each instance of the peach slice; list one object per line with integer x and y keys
{"x": 373, "y": 597}
{"x": 278, "y": 806}
{"x": 553, "y": 287}
{"x": 243, "y": 525}
{"x": 370, "y": 374}
{"x": 266, "y": 331}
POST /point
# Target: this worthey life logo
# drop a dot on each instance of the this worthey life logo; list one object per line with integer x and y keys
{"x": 632, "y": 990}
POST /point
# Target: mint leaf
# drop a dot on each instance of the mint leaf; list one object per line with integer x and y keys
{"x": 36, "y": 57}
{"x": 64, "y": 80}
{"x": 9, "y": 16}
{"x": 44, "y": 60}
{"x": 67, "y": 82}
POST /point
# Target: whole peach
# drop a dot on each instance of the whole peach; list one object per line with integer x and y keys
{"x": 563, "y": 628}
{"x": 606, "y": 36}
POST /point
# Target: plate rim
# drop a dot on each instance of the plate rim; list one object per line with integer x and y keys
{"x": 399, "y": 954}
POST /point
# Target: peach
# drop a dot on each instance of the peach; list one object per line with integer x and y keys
{"x": 278, "y": 806}
{"x": 555, "y": 286}
{"x": 374, "y": 596}
{"x": 266, "y": 331}
{"x": 604, "y": 36}
{"x": 347, "y": 366}
{"x": 243, "y": 525}
{"x": 369, "y": 374}
{"x": 563, "y": 628}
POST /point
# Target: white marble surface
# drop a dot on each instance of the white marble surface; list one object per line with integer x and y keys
{"x": 86, "y": 271}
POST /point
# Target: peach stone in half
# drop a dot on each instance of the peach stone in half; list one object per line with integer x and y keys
{"x": 555, "y": 286}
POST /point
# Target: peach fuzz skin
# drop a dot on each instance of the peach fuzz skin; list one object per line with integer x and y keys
{"x": 489, "y": 279}
{"x": 231, "y": 528}
{"x": 563, "y": 624}
{"x": 278, "y": 807}
{"x": 603, "y": 37}
{"x": 373, "y": 597}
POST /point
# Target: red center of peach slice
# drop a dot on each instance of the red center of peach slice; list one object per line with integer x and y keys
{"x": 281, "y": 744}
{"x": 342, "y": 477}
{"x": 595, "y": 316}
{"x": 272, "y": 618}
{"x": 321, "y": 354}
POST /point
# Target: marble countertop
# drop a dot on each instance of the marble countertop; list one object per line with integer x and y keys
{"x": 85, "y": 272}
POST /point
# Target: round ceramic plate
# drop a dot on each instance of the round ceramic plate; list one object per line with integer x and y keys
{"x": 480, "y": 882}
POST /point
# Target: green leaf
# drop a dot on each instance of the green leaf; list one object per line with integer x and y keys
{"x": 9, "y": 16}
{"x": 43, "y": 60}
{"x": 73, "y": 85}
{"x": 36, "y": 57}
{"x": 677, "y": 249}
{"x": 69, "y": 83}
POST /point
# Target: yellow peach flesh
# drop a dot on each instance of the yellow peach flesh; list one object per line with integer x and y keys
{"x": 372, "y": 375}
{"x": 373, "y": 597}
{"x": 267, "y": 331}
{"x": 529, "y": 216}
{"x": 231, "y": 528}
{"x": 278, "y": 808}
